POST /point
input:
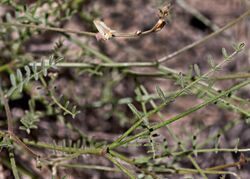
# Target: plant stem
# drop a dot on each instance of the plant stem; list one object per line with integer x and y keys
{"x": 25, "y": 147}
{"x": 22, "y": 170}
{"x": 233, "y": 76}
{"x": 229, "y": 165}
{"x": 7, "y": 111}
{"x": 170, "y": 99}
{"x": 92, "y": 167}
{"x": 206, "y": 38}
{"x": 121, "y": 167}
{"x": 193, "y": 171}
{"x": 161, "y": 60}
{"x": 185, "y": 6}
{"x": 170, "y": 76}
{"x": 61, "y": 106}
{"x": 98, "y": 54}
{"x": 131, "y": 162}
{"x": 48, "y": 28}
{"x": 170, "y": 73}
{"x": 176, "y": 139}
{"x": 108, "y": 65}
{"x": 13, "y": 164}
{"x": 175, "y": 118}
{"x": 212, "y": 150}
{"x": 94, "y": 151}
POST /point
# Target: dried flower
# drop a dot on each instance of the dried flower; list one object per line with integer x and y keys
{"x": 104, "y": 31}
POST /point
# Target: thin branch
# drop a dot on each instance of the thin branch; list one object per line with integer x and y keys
{"x": 193, "y": 171}
{"x": 131, "y": 162}
{"x": 7, "y": 111}
{"x": 120, "y": 166}
{"x": 161, "y": 60}
{"x": 119, "y": 141}
{"x": 232, "y": 76}
{"x": 175, "y": 137}
{"x": 163, "y": 71}
{"x": 208, "y": 37}
{"x": 92, "y": 65}
{"x": 102, "y": 28}
{"x": 55, "y": 29}
{"x": 8, "y": 66}
{"x": 21, "y": 169}
{"x": 243, "y": 161}
{"x": 94, "y": 151}
{"x": 92, "y": 167}
{"x": 170, "y": 99}
{"x": 106, "y": 33}
{"x": 10, "y": 131}
{"x": 13, "y": 164}
{"x": 211, "y": 150}
{"x": 20, "y": 143}
{"x": 197, "y": 14}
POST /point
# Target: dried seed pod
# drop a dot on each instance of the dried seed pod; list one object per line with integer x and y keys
{"x": 138, "y": 32}
{"x": 105, "y": 32}
{"x": 164, "y": 11}
{"x": 159, "y": 25}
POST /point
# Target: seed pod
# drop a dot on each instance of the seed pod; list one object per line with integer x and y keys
{"x": 105, "y": 32}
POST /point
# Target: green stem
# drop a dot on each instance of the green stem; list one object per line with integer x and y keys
{"x": 170, "y": 75}
{"x": 122, "y": 157}
{"x": 94, "y": 151}
{"x": 96, "y": 53}
{"x": 193, "y": 109}
{"x": 66, "y": 111}
{"x": 176, "y": 139}
{"x": 21, "y": 169}
{"x": 92, "y": 167}
{"x": 121, "y": 167}
{"x": 211, "y": 92}
{"x": 13, "y": 164}
{"x": 7, "y": 67}
{"x": 175, "y": 118}
{"x": 197, "y": 166}
{"x": 129, "y": 161}
{"x": 194, "y": 171}
{"x": 47, "y": 28}
{"x": 168, "y": 72}
{"x": 4, "y": 99}
{"x": 233, "y": 76}
{"x": 178, "y": 93}
{"x": 107, "y": 65}
{"x": 212, "y": 150}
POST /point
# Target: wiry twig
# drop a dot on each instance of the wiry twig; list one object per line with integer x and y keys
{"x": 120, "y": 166}
{"x": 106, "y": 33}
{"x": 197, "y": 14}
{"x": 7, "y": 110}
{"x": 10, "y": 131}
{"x": 120, "y": 140}
{"x": 242, "y": 161}
{"x": 208, "y": 37}
{"x": 13, "y": 164}
{"x": 55, "y": 29}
